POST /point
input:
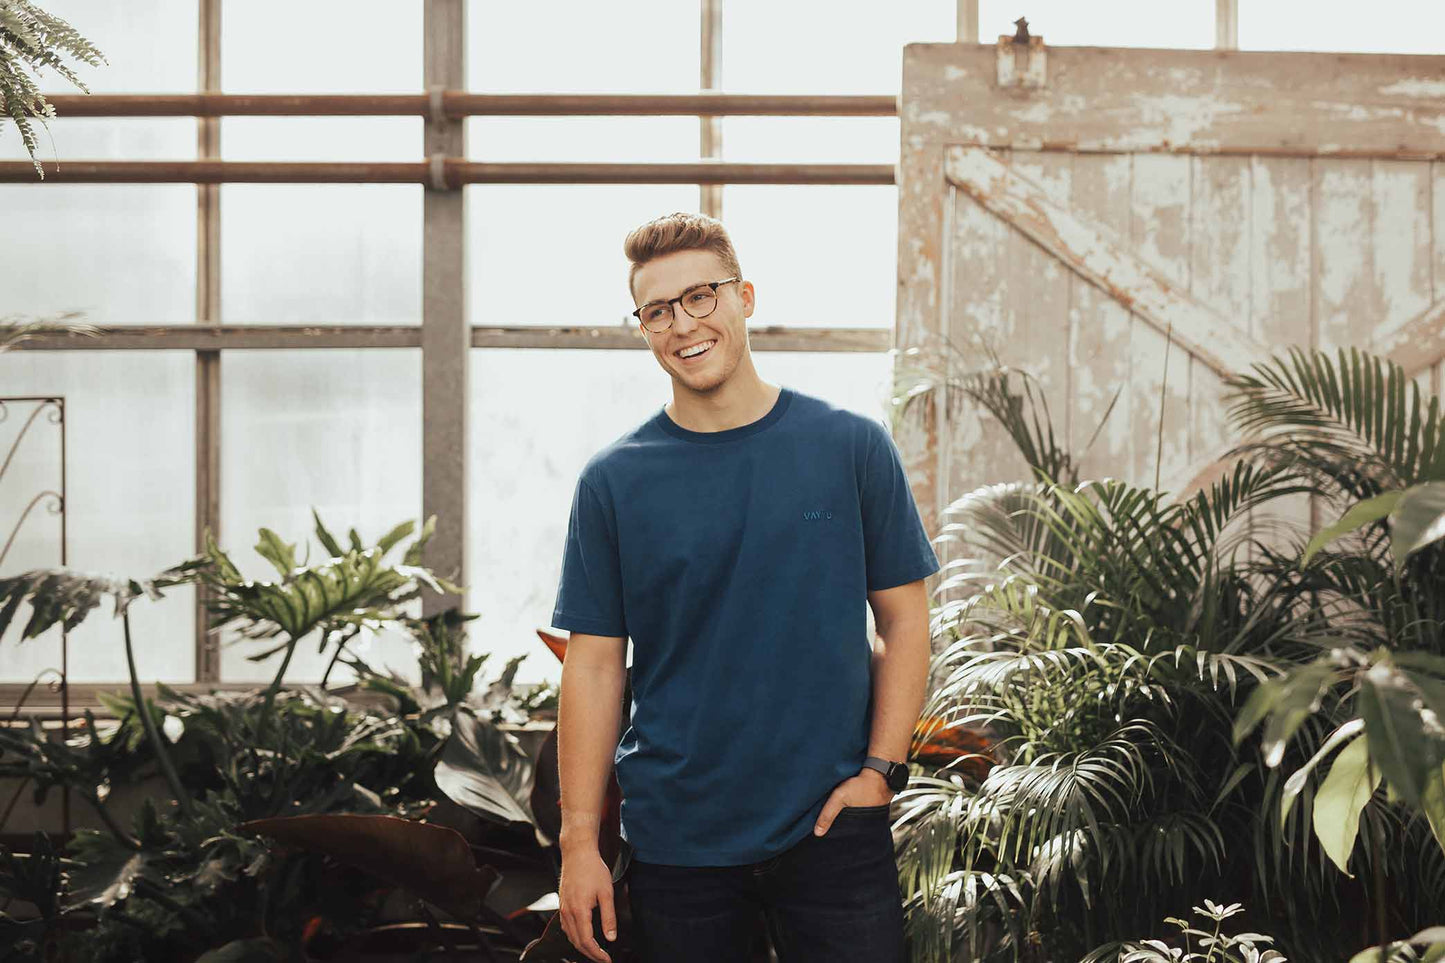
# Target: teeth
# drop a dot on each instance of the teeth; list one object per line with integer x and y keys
{"x": 699, "y": 349}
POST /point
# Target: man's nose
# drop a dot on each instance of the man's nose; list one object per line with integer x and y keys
{"x": 682, "y": 322}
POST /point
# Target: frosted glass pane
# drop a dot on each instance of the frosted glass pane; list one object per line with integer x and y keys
{"x": 337, "y": 431}
{"x": 149, "y": 47}
{"x": 321, "y": 253}
{"x": 321, "y": 46}
{"x": 529, "y": 442}
{"x": 811, "y": 140}
{"x": 1386, "y": 26}
{"x": 523, "y": 240}
{"x": 566, "y": 46}
{"x": 130, "y": 510}
{"x": 845, "y": 47}
{"x": 583, "y": 139}
{"x": 99, "y": 138}
{"x": 321, "y": 139}
{"x": 793, "y": 239}
{"x": 119, "y": 253}
{"x": 1114, "y": 23}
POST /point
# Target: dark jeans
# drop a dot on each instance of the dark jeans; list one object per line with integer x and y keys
{"x": 831, "y": 899}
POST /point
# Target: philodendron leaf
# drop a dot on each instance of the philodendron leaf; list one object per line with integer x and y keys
{"x": 1406, "y": 753}
{"x": 1417, "y": 520}
{"x": 485, "y": 769}
{"x": 1359, "y": 515}
{"x": 1341, "y": 798}
{"x": 1432, "y": 800}
{"x": 431, "y": 861}
{"x": 1299, "y": 697}
{"x": 1296, "y": 781}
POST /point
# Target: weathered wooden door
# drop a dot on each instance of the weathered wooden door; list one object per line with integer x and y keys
{"x": 1241, "y": 201}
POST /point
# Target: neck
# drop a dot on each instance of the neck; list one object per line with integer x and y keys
{"x": 737, "y": 401}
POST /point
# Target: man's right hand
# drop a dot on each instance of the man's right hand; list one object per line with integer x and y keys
{"x": 586, "y": 883}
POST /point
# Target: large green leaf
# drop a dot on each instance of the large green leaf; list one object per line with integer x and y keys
{"x": 1296, "y": 781}
{"x": 1299, "y": 696}
{"x": 1359, "y": 515}
{"x": 431, "y": 861}
{"x": 485, "y": 769}
{"x": 1432, "y": 801}
{"x": 1417, "y": 521}
{"x": 1341, "y": 798}
{"x": 1400, "y": 744}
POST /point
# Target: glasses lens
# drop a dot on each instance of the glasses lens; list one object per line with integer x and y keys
{"x": 699, "y": 302}
{"x": 657, "y": 317}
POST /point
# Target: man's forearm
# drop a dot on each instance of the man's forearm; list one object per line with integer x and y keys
{"x": 589, "y": 710}
{"x": 900, "y": 685}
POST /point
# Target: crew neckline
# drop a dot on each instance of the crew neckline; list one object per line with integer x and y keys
{"x": 780, "y": 405}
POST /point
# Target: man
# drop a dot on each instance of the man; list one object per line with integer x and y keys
{"x": 735, "y": 536}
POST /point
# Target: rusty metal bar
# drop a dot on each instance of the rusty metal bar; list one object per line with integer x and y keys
{"x": 203, "y": 337}
{"x": 206, "y": 641}
{"x": 710, "y": 127}
{"x": 966, "y": 29}
{"x": 459, "y": 104}
{"x": 455, "y": 172}
{"x": 1226, "y": 24}
{"x": 445, "y": 360}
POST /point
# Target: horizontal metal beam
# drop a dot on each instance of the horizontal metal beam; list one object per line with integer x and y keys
{"x": 44, "y": 702}
{"x": 1210, "y": 102}
{"x": 197, "y": 337}
{"x": 443, "y": 173}
{"x": 459, "y": 103}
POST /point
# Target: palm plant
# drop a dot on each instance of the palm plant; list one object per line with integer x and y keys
{"x": 1105, "y": 636}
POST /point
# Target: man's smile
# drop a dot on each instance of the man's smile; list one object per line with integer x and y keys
{"x": 690, "y": 354}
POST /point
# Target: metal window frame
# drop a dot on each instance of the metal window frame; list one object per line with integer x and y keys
{"x": 443, "y": 334}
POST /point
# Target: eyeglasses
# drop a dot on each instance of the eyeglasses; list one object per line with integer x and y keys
{"x": 698, "y": 301}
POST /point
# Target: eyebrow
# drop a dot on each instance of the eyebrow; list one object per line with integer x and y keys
{"x": 699, "y": 284}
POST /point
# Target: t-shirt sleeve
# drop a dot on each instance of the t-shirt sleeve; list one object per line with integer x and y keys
{"x": 895, "y": 544}
{"x": 589, "y": 593}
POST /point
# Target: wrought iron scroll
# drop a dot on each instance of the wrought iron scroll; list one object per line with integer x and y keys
{"x": 54, "y": 500}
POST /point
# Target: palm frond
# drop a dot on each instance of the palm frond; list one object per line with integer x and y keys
{"x": 1355, "y": 421}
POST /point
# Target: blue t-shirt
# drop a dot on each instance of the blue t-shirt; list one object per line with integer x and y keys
{"x": 738, "y": 562}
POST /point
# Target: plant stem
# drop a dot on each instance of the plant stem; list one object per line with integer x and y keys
{"x": 110, "y": 822}
{"x": 340, "y": 648}
{"x": 273, "y": 688}
{"x": 1381, "y": 912}
{"x": 153, "y": 891}
{"x": 163, "y": 757}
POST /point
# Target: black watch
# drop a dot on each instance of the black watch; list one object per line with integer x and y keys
{"x": 895, "y": 773}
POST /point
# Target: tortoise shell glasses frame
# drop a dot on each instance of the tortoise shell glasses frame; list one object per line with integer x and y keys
{"x": 671, "y": 311}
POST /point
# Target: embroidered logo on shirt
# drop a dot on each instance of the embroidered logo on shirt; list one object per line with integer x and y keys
{"x": 815, "y": 515}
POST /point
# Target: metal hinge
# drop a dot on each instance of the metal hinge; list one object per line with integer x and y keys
{"x": 1021, "y": 63}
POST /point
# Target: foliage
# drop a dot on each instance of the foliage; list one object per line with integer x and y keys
{"x": 1215, "y": 945}
{"x": 31, "y": 38}
{"x": 234, "y": 868}
{"x": 1426, "y": 946}
{"x": 1106, "y": 636}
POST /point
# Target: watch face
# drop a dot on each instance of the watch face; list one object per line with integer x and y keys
{"x": 897, "y": 776}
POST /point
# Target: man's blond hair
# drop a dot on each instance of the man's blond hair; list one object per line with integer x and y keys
{"x": 679, "y": 231}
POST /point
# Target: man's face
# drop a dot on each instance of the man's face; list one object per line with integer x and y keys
{"x": 669, "y": 276}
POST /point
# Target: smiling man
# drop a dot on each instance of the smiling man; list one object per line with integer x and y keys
{"x": 737, "y": 536}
